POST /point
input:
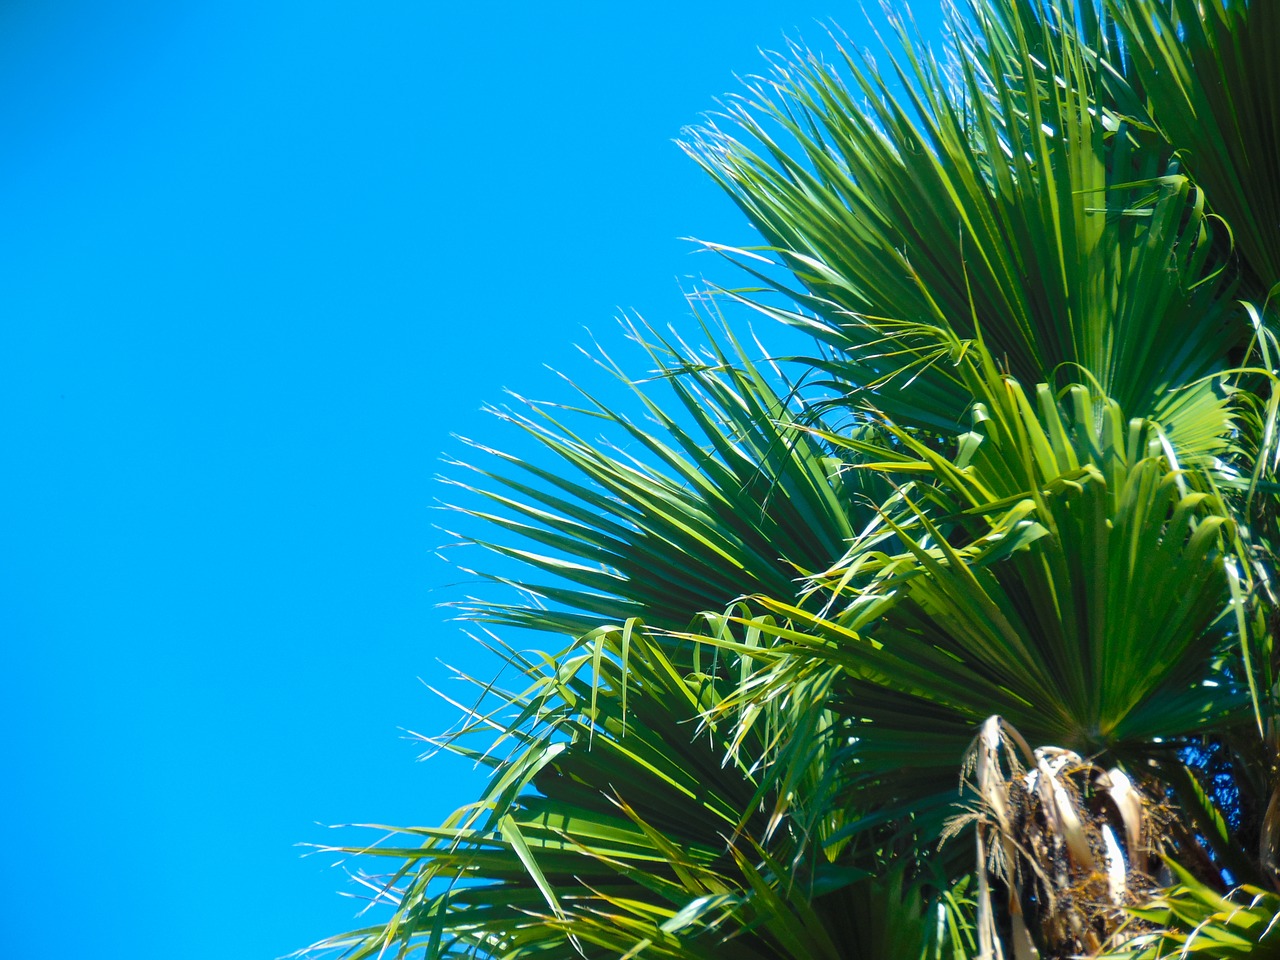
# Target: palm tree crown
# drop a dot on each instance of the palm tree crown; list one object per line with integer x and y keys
{"x": 955, "y": 638}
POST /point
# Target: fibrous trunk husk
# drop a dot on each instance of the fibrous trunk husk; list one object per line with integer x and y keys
{"x": 1068, "y": 844}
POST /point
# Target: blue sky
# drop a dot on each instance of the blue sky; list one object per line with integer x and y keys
{"x": 258, "y": 263}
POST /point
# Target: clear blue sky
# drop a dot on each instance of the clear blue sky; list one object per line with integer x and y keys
{"x": 258, "y": 261}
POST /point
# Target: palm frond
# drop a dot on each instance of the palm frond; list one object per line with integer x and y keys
{"x": 715, "y": 500}
{"x": 1193, "y": 920}
{"x": 984, "y": 200}
{"x": 616, "y": 828}
{"x": 1060, "y": 570}
{"x": 1207, "y": 70}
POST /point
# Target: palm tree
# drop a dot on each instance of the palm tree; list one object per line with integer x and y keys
{"x": 955, "y": 638}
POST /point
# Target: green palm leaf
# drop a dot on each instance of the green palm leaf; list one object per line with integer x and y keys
{"x": 990, "y": 201}
{"x": 1207, "y": 70}
{"x": 719, "y": 500}
{"x": 616, "y": 827}
{"x": 1194, "y": 920}
{"x": 1060, "y": 570}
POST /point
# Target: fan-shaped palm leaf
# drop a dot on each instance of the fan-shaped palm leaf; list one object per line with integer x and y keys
{"x": 1208, "y": 71}
{"x": 1193, "y": 920}
{"x": 719, "y": 500}
{"x": 1060, "y": 570}
{"x": 616, "y": 827}
{"x": 994, "y": 201}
